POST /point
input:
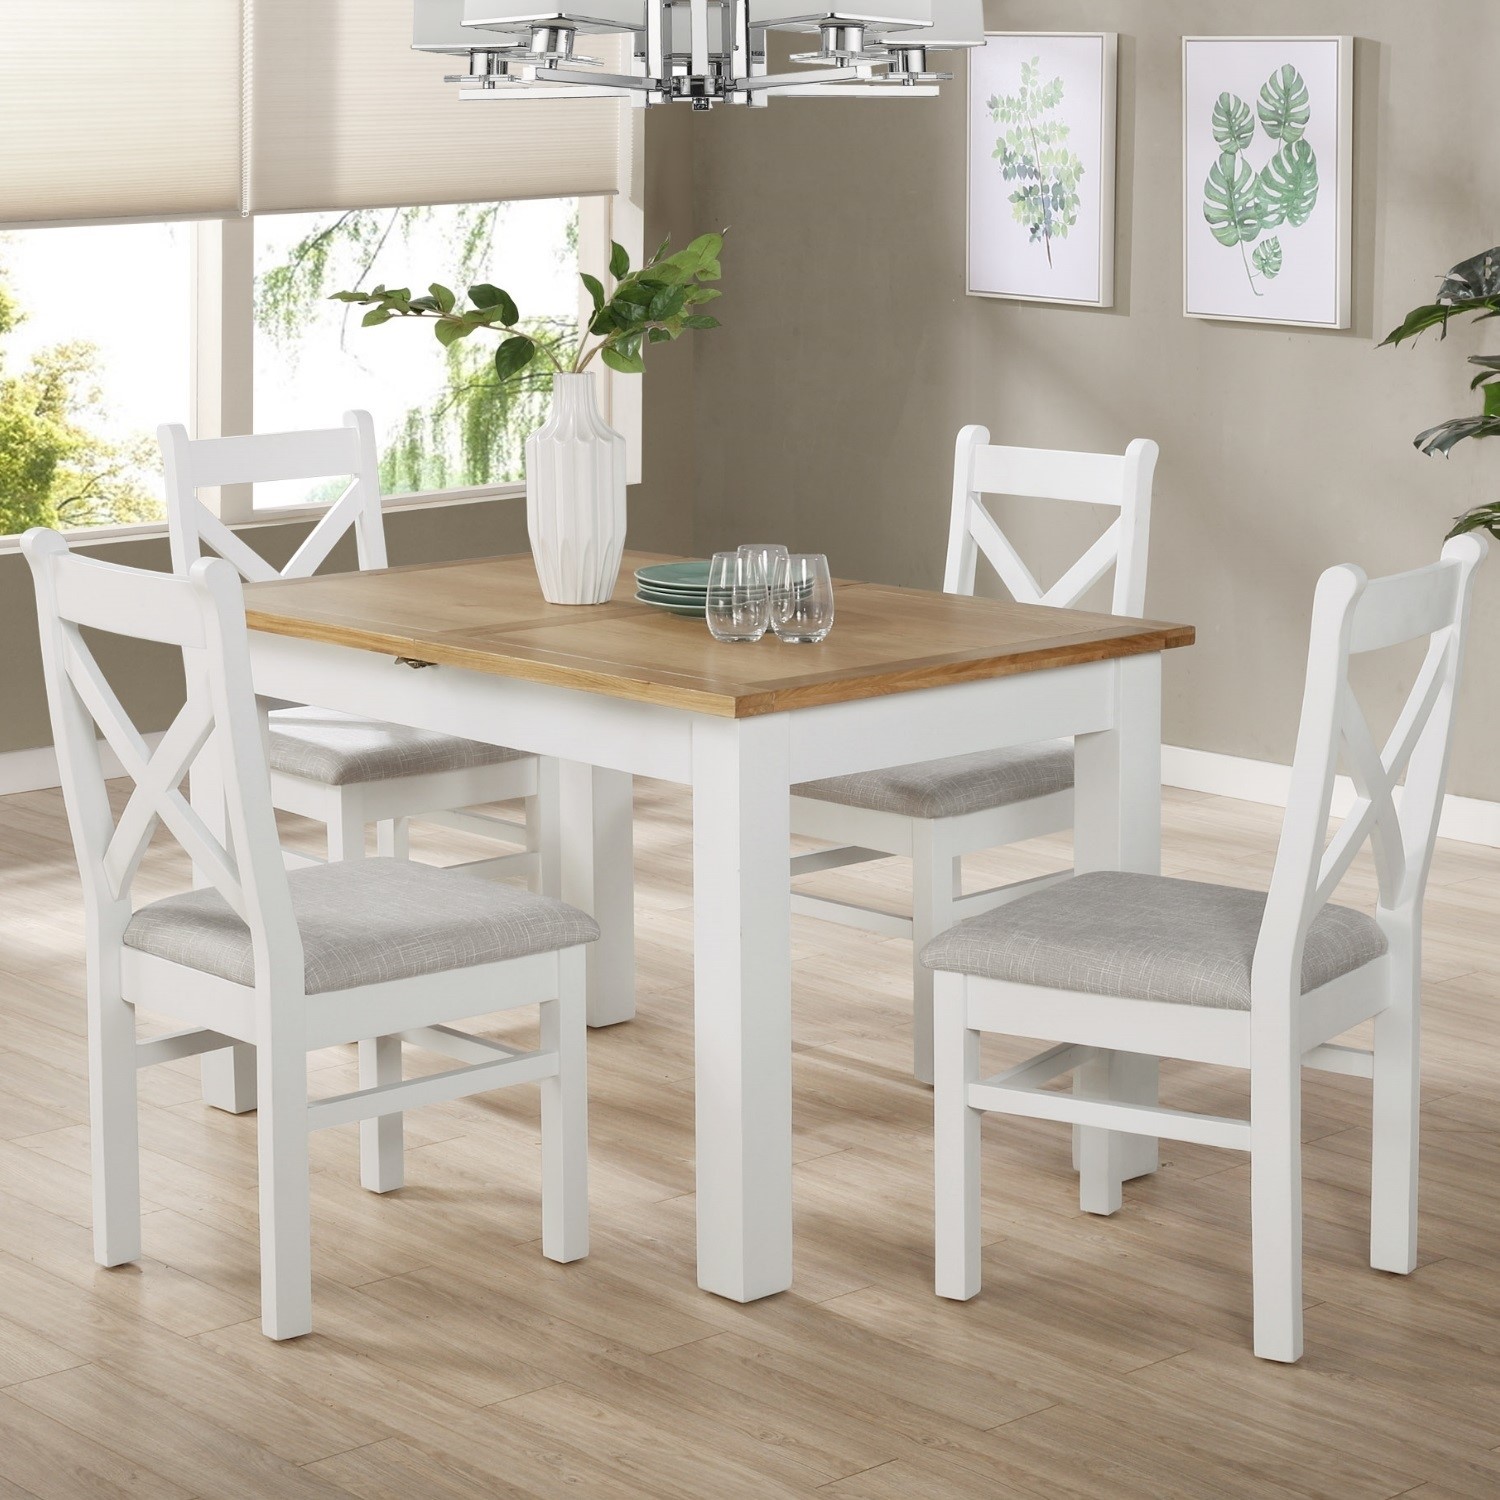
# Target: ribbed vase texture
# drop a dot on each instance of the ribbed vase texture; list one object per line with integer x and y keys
{"x": 575, "y": 496}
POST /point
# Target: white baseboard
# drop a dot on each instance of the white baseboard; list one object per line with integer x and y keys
{"x": 1470, "y": 820}
{"x": 36, "y": 770}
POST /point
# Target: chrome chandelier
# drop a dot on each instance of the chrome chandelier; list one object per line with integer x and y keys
{"x": 698, "y": 52}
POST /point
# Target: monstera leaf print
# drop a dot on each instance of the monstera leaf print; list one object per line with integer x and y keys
{"x": 1289, "y": 186}
{"x": 1267, "y": 258}
{"x": 1231, "y": 203}
{"x": 1284, "y": 107}
{"x": 1234, "y": 125}
{"x": 1240, "y": 203}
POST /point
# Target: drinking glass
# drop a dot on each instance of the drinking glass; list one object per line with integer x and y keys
{"x": 739, "y": 600}
{"x": 802, "y": 598}
{"x": 769, "y": 554}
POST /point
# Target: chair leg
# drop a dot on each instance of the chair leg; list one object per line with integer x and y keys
{"x": 565, "y": 1118}
{"x": 229, "y": 1078}
{"x": 1276, "y": 1207}
{"x": 1100, "y": 1152}
{"x": 392, "y": 838}
{"x": 285, "y": 1193}
{"x": 934, "y": 883}
{"x": 1394, "y": 1139}
{"x": 346, "y": 828}
{"x": 1134, "y": 1079}
{"x": 542, "y": 831}
{"x": 114, "y": 1141}
{"x": 955, "y": 1142}
{"x": 382, "y": 1167}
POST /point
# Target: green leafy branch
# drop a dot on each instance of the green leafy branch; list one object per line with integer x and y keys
{"x": 1470, "y": 289}
{"x": 1034, "y": 153}
{"x": 652, "y": 304}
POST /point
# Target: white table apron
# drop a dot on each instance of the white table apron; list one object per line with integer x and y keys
{"x": 741, "y": 771}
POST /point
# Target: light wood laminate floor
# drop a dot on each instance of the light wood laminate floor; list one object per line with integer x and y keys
{"x": 1104, "y": 1358}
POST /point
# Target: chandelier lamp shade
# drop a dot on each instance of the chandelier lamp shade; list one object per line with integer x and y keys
{"x": 697, "y": 52}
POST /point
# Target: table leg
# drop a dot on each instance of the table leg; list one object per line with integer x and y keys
{"x": 596, "y": 841}
{"x": 1117, "y": 826}
{"x": 228, "y": 1076}
{"x": 742, "y": 1005}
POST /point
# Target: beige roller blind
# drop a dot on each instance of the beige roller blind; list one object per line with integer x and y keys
{"x": 119, "y": 109}
{"x": 345, "y": 115}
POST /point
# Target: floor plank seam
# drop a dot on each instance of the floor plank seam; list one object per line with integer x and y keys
{"x": 844, "y": 1478}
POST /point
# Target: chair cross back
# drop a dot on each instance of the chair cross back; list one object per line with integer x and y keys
{"x": 1354, "y": 616}
{"x": 192, "y": 465}
{"x": 203, "y": 616}
{"x": 981, "y": 469}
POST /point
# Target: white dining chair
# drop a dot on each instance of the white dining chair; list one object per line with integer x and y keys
{"x": 935, "y": 812}
{"x": 378, "y": 951}
{"x": 1108, "y": 965}
{"x": 339, "y": 770}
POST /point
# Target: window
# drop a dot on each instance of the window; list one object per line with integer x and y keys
{"x": 95, "y": 352}
{"x": 227, "y": 326}
{"x": 442, "y": 420}
{"x": 108, "y": 331}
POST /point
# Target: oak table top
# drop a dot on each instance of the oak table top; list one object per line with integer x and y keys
{"x": 488, "y": 615}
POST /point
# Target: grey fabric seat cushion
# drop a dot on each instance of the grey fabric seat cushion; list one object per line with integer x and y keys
{"x": 367, "y": 921}
{"x": 1145, "y": 937}
{"x": 320, "y": 744}
{"x": 949, "y": 788}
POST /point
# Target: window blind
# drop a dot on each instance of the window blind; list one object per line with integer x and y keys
{"x": 345, "y": 115}
{"x": 113, "y": 109}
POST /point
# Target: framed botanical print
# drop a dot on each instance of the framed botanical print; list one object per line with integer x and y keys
{"x": 1268, "y": 125}
{"x": 1042, "y": 167}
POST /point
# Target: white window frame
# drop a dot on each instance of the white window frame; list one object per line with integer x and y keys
{"x": 222, "y": 379}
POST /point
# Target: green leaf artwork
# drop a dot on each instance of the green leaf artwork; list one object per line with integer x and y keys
{"x": 1284, "y": 107}
{"x": 1240, "y": 202}
{"x": 1231, "y": 202}
{"x": 1267, "y": 258}
{"x": 1034, "y": 154}
{"x": 1289, "y": 186}
{"x": 1234, "y": 125}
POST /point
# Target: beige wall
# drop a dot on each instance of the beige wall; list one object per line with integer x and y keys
{"x": 827, "y": 405}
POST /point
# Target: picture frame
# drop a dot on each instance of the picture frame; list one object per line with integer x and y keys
{"x": 1040, "y": 223}
{"x": 1268, "y": 153}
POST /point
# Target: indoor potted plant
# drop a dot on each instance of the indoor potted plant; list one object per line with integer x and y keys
{"x": 575, "y": 462}
{"x": 1473, "y": 287}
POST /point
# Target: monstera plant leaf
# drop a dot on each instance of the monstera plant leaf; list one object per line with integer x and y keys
{"x": 1472, "y": 286}
{"x": 1284, "y": 107}
{"x": 1234, "y": 125}
{"x": 1288, "y": 186}
{"x": 1473, "y": 279}
{"x": 1231, "y": 203}
{"x": 1267, "y": 258}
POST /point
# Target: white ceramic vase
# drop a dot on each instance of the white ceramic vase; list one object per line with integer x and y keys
{"x": 575, "y": 496}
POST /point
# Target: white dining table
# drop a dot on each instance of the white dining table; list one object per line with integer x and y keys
{"x": 620, "y": 690}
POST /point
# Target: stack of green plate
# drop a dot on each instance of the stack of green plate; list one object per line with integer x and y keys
{"x": 679, "y": 587}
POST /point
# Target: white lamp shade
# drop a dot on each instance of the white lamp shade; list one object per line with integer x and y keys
{"x": 438, "y": 26}
{"x": 876, "y": 16}
{"x": 955, "y": 23}
{"x": 719, "y": 29}
{"x": 583, "y": 15}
